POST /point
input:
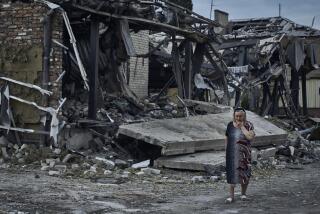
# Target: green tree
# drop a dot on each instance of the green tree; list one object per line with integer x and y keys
{"x": 183, "y": 3}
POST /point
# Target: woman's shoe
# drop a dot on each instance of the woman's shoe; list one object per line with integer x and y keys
{"x": 229, "y": 200}
{"x": 243, "y": 198}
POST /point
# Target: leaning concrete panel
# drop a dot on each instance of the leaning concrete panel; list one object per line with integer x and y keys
{"x": 198, "y": 133}
{"x": 195, "y": 161}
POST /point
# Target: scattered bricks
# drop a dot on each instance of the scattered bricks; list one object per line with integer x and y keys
{"x": 108, "y": 164}
{"x": 254, "y": 155}
{"x": 86, "y": 165}
{"x": 54, "y": 173}
{"x": 142, "y": 164}
{"x": 107, "y": 172}
{"x": 75, "y": 166}
{"x": 214, "y": 178}
{"x": 125, "y": 174}
{"x": 6, "y": 5}
{"x": 12, "y": 26}
{"x": 4, "y": 166}
{"x": 45, "y": 168}
{"x": 21, "y": 160}
{"x": 280, "y": 166}
{"x": 140, "y": 173}
{"x": 61, "y": 168}
{"x": 18, "y": 155}
{"x": 291, "y": 150}
{"x": 266, "y": 153}
{"x": 121, "y": 164}
{"x": 197, "y": 179}
{"x": 43, "y": 163}
{"x": 23, "y": 147}
{"x": 93, "y": 169}
{"x": 57, "y": 151}
{"x": 67, "y": 158}
{"x": 150, "y": 171}
{"x": 16, "y": 147}
{"x": 51, "y": 162}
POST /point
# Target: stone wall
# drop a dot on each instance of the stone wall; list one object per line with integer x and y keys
{"x": 139, "y": 67}
{"x": 21, "y": 55}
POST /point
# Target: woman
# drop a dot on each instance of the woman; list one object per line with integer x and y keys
{"x": 239, "y": 135}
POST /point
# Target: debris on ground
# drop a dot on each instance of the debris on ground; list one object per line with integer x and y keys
{"x": 97, "y": 128}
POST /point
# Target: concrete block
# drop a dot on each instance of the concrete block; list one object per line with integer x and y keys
{"x": 121, "y": 163}
{"x": 67, "y": 158}
{"x": 57, "y": 151}
{"x": 197, "y": 179}
{"x": 214, "y": 178}
{"x": 150, "y": 171}
{"x": 45, "y": 168}
{"x": 142, "y": 164}
{"x": 61, "y": 168}
{"x": 21, "y": 160}
{"x": 108, "y": 164}
{"x": 140, "y": 173}
{"x": 197, "y": 161}
{"x": 75, "y": 166}
{"x": 53, "y": 173}
{"x": 107, "y": 172}
{"x": 266, "y": 153}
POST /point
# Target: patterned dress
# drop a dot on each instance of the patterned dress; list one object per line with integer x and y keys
{"x": 238, "y": 154}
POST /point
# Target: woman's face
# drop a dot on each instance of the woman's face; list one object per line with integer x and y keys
{"x": 239, "y": 116}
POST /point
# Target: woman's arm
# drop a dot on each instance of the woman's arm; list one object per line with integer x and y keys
{"x": 248, "y": 134}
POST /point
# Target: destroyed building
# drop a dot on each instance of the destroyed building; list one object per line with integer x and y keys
{"x": 65, "y": 63}
{"x": 271, "y": 59}
{"x": 95, "y": 75}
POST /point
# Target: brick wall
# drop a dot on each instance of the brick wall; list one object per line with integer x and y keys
{"x": 139, "y": 67}
{"x": 21, "y": 54}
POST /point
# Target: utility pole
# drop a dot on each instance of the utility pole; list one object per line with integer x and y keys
{"x": 211, "y": 7}
{"x": 279, "y": 10}
{"x": 314, "y": 18}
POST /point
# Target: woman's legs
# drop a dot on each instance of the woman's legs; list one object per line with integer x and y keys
{"x": 232, "y": 186}
{"x": 244, "y": 188}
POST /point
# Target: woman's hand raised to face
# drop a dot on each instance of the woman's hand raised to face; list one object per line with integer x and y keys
{"x": 238, "y": 124}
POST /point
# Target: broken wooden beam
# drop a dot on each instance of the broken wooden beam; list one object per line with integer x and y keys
{"x": 188, "y": 75}
{"x": 93, "y": 77}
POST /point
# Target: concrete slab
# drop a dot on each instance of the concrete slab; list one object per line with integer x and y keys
{"x": 199, "y": 133}
{"x": 210, "y": 108}
{"x": 196, "y": 161}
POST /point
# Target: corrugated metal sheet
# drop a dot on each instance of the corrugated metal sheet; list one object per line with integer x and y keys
{"x": 313, "y": 93}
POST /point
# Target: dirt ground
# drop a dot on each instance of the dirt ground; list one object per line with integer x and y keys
{"x": 277, "y": 191}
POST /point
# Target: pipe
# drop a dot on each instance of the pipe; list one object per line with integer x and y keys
{"x": 47, "y": 38}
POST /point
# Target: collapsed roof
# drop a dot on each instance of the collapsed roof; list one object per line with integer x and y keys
{"x": 275, "y": 52}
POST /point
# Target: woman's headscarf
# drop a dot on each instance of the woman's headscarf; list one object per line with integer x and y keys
{"x": 240, "y": 109}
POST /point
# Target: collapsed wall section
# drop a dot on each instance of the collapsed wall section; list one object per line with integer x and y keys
{"x": 21, "y": 57}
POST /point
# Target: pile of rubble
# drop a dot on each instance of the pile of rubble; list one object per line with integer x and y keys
{"x": 112, "y": 161}
{"x": 123, "y": 109}
{"x": 59, "y": 162}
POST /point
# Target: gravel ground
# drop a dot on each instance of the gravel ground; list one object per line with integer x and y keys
{"x": 272, "y": 191}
